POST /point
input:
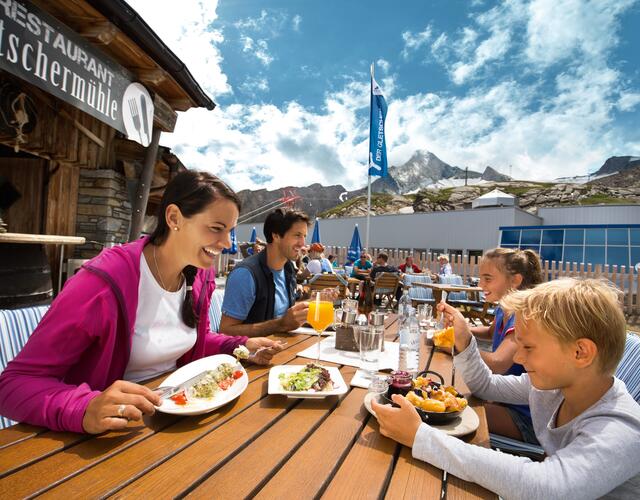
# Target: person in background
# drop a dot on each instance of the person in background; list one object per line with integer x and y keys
{"x": 304, "y": 257}
{"x": 362, "y": 266}
{"x": 409, "y": 266}
{"x": 445, "y": 267}
{"x": 503, "y": 270}
{"x": 133, "y": 312}
{"x": 260, "y": 294}
{"x": 570, "y": 336}
{"x": 382, "y": 266}
{"x": 318, "y": 264}
{"x": 334, "y": 261}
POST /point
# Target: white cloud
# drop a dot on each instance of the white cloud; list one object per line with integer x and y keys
{"x": 257, "y": 48}
{"x": 295, "y": 22}
{"x": 628, "y": 101}
{"x": 557, "y": 31}
{"x": 187, "y": 31}
{"x": 413, "y": 42}
{"x": 384, "y": 65}
{"x": 542, "y": 133}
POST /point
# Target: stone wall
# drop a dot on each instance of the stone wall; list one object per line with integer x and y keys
{"x": 104, "y": 211}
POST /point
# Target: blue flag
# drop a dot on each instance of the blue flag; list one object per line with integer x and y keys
{"x": 377, "y": 141}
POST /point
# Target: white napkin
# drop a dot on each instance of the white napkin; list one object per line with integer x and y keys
{"x": 328, "y": 352}
{"x": 310, "y": 331}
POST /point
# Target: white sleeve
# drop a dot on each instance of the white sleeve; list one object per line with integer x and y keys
{"x": 486, "y": 385}
{"x": 314, "y": 266}
{"x": 583, "y": 469}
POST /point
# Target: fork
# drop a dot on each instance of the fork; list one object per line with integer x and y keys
{"x": 135, "y": 116}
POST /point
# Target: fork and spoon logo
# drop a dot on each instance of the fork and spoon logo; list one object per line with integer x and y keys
{"x": 137, "y": 113}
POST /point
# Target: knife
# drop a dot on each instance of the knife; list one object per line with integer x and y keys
{"x": 167, "y": 392}
{"x": 143, "y": 112}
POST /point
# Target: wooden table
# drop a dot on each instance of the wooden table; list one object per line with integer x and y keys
{"x": 45, "y": 239}
{"x": 438, "y": 288}
{"x": 256, "y": 446}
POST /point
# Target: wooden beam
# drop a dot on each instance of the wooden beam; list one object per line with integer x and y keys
{"x": 181, "y": 104}
{"x": 164, "y": 116}
{"x": 152, "y": 76}
{"x": 104, "y": 32}
{"x": 83, "y": 129}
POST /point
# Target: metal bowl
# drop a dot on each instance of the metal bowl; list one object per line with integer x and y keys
{"x": 429, "y": 417}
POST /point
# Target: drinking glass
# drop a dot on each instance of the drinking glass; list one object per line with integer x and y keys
{"x": 424, "y": 312}
{"x": 370, "y": 344}
{"x": 320, "y": 314}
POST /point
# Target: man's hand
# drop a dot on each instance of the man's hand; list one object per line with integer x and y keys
{"x": 400, "y": 424}
{"x": 295, "y": 317}
{"x": 118, "y": 403}
{"x": 264, "y": 349}
{"x": 461, "y": 331}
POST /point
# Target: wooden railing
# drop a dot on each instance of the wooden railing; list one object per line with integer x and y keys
{"x": 623, "y": 277}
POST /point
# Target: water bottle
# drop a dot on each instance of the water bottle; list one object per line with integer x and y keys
{"x": 404, "y": 304}
{"x": 409, "y": 349}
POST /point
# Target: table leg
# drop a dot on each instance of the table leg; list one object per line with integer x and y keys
{"x": 60, "y": 268}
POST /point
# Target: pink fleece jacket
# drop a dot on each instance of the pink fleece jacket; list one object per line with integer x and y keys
{"x": 83, "y": 343}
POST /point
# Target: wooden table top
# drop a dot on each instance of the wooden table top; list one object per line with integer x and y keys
{"x": 256, "y": 446}
{"x": 50, "y": 239}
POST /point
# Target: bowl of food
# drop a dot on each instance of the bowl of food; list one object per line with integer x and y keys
{"x": 435, "y": 402}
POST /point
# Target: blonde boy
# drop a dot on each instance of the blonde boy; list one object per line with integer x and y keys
{"x": 570, "y": 337}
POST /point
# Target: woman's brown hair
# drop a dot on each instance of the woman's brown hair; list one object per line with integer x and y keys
{"x": 192, "y": 192}
{"x": 512, "y": 261}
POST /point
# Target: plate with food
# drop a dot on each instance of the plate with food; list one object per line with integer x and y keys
{"x": 439, "y": 405}
{"x": 203, "y": 385}
{"x": 306, "y": 381}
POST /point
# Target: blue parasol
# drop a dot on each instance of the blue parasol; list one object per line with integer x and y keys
{"x": 316, "y": 232}
{"x": 253, "y": 237}
{"x": 355, "y": 247}
{"x": 233, "y": 249}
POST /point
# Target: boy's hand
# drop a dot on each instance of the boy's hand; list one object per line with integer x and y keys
{"x": 400, "y": 424}
{"x": 453, "y": 316}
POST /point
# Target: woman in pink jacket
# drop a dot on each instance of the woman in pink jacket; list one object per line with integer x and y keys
{"x": 131, "y": 313}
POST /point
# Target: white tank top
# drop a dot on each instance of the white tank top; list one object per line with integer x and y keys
{"x": 160, "y": 336}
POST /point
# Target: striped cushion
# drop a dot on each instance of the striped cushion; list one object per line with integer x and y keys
{"x": 215, "y": 310}
{"x": 418, "y": 293}
{"x": 629, "y": 368}
{"x": 16, "y": 325}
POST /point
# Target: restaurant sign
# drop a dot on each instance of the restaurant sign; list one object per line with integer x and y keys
{"x": 41, "y": 50}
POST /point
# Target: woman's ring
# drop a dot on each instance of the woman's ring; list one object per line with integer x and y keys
{"x": 121, "y": 410}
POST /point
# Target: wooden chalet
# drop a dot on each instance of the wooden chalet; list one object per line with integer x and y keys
{"x": 68, "y": 155}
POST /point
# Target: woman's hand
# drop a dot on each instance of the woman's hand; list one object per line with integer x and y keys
{"x": 263, "y": 349}
{"x": 453, "y": 316}
{"x": 117, "y": 404}
{"x": 400, "y": 424}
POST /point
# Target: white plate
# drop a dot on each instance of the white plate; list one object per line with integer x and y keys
{"x": 275, "y": 387}
{"x": 197, "y": 406}
{"x": 466, "y": 423}
{"x": 307, "y": 330}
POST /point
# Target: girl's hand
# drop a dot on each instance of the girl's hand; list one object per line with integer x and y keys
{"x": 453, "y": 316}
{"x": 263, "y": 349}
{"x": 117, "y": 404}
{"x": 400, "y": 424}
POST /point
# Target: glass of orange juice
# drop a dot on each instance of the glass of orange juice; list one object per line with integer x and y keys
{"x": 320, "y": 314}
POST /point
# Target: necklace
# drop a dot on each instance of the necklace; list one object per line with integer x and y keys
{"x": 155, "y": 261}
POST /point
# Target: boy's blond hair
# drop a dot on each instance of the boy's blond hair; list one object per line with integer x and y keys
{"x": 570, "y": 309}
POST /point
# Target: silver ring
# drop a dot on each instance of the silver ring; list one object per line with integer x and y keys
{"x": 121, "y": 410}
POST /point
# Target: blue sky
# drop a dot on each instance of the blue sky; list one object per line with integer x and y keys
{"x": 551, "y": 88}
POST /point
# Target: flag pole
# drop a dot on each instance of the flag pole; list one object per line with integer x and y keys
{"x": 366, "y": 239}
